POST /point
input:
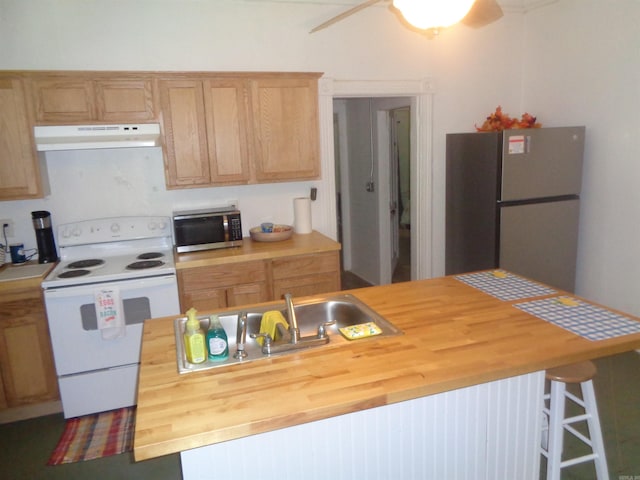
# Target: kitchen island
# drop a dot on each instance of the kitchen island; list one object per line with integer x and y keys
{"x": 458, "y": 395}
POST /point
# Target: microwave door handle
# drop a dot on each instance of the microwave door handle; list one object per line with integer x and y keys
{"x": 225, "y": 224}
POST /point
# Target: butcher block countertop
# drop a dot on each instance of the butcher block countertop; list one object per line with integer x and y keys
{"x": 313, "y": 242}
{"x": 454, "y": 336}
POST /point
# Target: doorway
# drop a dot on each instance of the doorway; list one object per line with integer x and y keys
{"x": 372, "y": 149}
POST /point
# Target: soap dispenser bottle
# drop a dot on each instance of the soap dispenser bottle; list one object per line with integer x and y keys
{"x": 217, "y": 343}
{"x": 194, "y": 338}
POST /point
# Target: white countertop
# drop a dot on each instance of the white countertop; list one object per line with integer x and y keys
{"x": 19, "y": 272}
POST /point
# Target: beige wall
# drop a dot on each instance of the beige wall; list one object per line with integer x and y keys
{"x": 588, "y": 76}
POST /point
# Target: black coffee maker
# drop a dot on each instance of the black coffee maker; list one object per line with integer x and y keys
{"x": 44, "y": 236}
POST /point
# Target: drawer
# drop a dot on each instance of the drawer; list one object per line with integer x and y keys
{"x": 222, "y": 276}
{"x": 288, "y": 267}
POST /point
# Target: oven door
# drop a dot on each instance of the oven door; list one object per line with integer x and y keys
{"x": 78, "y": 344}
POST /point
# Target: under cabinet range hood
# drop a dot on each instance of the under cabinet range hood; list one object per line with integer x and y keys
{"x": 90, "y": 137}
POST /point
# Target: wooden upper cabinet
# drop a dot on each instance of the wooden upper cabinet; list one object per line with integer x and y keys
{"x": 259, "y": 128}
{"x": 20, "y": 178}
{"x": 205, "y": 130}
{"x": 63, "y": 100}
{"x": 125, "y": 100}
{"x": 286, "y": 128}
{"x": 227, "y": 130}
{"x": 76, "y": 98}
{"x": 185, "y": 133}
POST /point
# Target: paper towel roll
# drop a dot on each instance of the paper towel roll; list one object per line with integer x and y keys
{"x": 302, "y": 215}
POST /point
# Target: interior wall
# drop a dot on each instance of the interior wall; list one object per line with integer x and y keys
{"x": 213, "y": 35}
{"x": 592, "y": 78}
{"x": 570, "y": 61}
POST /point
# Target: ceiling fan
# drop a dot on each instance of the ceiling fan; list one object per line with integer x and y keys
{"x": 480, "y": 13}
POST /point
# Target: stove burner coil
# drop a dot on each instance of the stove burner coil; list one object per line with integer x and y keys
{"x": 144, "y": 264}
{"x": 91, "y": 262}
{"x": 74, "y": 273}
{"x": 150, "y": 255}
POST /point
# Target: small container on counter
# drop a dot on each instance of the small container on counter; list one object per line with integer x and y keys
{"x": 217, "y": 343}
{"x": 194, "y": 338}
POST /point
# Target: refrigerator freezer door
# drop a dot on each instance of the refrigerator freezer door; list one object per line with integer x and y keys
{"x": 539, "y": 241}
{"x": 471, "y": 207}
{"x": 540, "y": 163}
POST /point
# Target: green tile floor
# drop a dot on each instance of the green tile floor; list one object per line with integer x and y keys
{"x": 25, "y": 446}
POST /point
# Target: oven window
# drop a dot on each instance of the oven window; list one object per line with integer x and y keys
{"x": 136, "y": 310}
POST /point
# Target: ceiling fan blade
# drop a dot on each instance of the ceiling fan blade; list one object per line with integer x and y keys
{"x": 344, "y": 15}
{"x": 482, "y": 13}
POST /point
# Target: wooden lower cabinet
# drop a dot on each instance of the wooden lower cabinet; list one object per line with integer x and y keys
{"x": 234, "y": 284}
{"x": 210, "y": 288}
{"x": 306, "y": 274}
{"x": 26, "y": 359}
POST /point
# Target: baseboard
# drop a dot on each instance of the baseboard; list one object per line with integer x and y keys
{"x": 30, "y": 411}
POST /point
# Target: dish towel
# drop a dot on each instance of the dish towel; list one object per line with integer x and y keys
{"x": 109, "y": 313}
{"x": 270, "y": 321}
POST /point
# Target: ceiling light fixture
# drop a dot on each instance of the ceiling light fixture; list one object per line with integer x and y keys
{"x": 433, "y": 14}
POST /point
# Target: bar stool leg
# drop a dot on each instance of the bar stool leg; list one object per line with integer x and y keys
{"x": 595, "y": 433}
{"x": 556, "y": 430}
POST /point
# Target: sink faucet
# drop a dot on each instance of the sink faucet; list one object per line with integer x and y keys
{"x": 293, "y": 321}
{"x": 241, "y": 336}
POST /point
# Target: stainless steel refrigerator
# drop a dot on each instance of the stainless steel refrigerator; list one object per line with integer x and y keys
{"x": 512, "y": 202}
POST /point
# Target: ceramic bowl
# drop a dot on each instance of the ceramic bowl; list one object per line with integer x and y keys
{"x": 279, "y": 233}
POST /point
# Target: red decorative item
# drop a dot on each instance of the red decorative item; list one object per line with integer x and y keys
{"x": 498, "y": 121}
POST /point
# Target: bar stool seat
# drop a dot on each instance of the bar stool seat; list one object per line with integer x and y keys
{"x": 554, "y": 413}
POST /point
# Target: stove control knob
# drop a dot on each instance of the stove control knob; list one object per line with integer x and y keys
{"x": 163, "y": 225}
{"x": 115, "y": 228}
{"x": 76, "y": 232}
{"x": 152, "y": 226}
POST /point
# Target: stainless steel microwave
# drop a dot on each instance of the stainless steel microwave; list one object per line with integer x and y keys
{"x": 206, "y": 229}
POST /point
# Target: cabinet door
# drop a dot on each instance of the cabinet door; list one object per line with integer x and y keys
{"x": 208, "y": 288}
{"x": 306, "y": 274}
{"x": 203, "y": 300}
{"x": 3, "y": 397}
{"x": 126, "y": 100}
{"x": 63, "y": 100}
{"x": 185, "y": 133}
{"x": 227, "y": 129}
{"x": 26, "y": 359}
{"x": 20, "y": 178}
{"x": 247, "y": 293}
{"x": 285, "y": 128}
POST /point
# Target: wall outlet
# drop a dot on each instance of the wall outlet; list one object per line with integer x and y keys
{"x": 8, "y": 231}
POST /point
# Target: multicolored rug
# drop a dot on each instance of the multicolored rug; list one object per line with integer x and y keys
{"x": 94, "y": 436}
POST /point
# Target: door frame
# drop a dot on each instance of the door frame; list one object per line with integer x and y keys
{"x": 421, "y": 93}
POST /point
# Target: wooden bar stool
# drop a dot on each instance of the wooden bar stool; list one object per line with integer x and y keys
{"x": 554, "y": 412}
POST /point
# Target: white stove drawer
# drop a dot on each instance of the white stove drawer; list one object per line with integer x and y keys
{"x": 99, "y": 391}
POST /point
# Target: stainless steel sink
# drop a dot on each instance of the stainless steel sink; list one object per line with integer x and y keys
{"x": 332, "y": 313}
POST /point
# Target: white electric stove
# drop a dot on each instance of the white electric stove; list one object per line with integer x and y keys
{"x": 119, "y": 270}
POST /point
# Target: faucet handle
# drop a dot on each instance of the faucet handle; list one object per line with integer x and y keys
{"x": 266, "y": 336}
{"x": 322, "y": 331}
{"x": 266, "y": 344}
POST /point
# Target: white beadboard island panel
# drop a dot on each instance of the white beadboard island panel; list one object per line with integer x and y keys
{"x": 489, "y": 431}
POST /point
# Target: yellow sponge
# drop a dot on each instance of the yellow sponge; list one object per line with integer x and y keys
{"x": 361, "y": 330}
{"x": 268, "y": 323}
